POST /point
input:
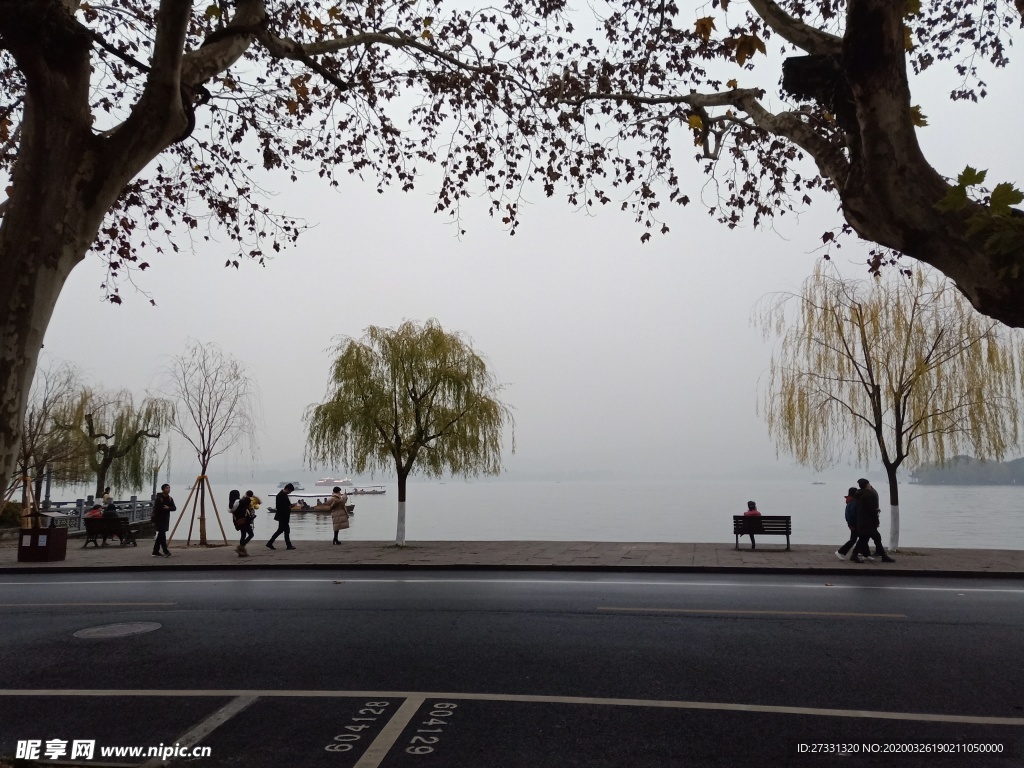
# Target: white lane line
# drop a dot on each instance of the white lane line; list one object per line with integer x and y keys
{"x": 725, "y": 611}
{"x": 587, "y": 700}
{"x": 205, "y": 728}
{"x": 554, "y": 582}
{"x": 378, "y": 750}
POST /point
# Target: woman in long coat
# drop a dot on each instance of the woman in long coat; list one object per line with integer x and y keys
{"x": 339, "y": 511}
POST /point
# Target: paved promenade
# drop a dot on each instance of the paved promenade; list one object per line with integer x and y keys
{"x": 547, "y": 555}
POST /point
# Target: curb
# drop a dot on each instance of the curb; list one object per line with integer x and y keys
{"x": 491, "y": 567}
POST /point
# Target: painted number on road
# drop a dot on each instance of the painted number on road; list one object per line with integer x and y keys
{"x": 343, "y": 742}
{"x": 438, "y": 719}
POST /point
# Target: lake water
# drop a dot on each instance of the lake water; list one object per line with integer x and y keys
{"x": 982, "y": 517}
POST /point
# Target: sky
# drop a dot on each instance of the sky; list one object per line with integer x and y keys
{"x": 620, "y": 358}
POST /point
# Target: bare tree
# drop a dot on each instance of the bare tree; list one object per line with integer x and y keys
{"x": 217, "y": 405}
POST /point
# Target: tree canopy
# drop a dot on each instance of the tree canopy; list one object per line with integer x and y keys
{"x": 122, "y": 120}
{"x": 897, "y": 369}
{"x": 416, "y": 397}
{"x": 845, "y": 105}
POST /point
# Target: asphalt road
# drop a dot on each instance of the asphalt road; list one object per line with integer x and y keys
{"x": 375, "y": 669}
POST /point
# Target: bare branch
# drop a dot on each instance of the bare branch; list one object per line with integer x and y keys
{"x": 800, "y": 34}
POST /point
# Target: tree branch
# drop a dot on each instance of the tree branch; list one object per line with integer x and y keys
{"x": 800, "y": 34}
{"x": 224, "y": 47}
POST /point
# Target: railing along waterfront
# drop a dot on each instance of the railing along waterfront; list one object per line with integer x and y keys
{"x": 72, "y": 512}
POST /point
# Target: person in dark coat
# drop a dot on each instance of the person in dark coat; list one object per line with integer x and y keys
{"x": 868, "y": 519}
{"x": 243, "y": 522}
{"x": 163, "y": 505}
{"x": 851, "y": 523}
{"x": 283, "y": 515}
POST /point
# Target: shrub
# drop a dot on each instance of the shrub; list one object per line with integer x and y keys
{"x": 10, "y": 514}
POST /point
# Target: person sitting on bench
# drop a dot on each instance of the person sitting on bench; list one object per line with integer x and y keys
{"x": 752, "y": 512}
{"x": 110, "y": 511}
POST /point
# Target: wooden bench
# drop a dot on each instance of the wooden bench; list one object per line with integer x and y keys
{"x": 767, "y": 525}
{"x": 109, "y": 526}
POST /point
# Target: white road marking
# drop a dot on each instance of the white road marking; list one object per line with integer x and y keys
{"x": 554, "y": 582}
{"x": 378, "y": 750}
{"x": 529, "y": 699}
{"x": 205, "y": 728}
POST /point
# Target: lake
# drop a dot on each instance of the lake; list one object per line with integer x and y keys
{"x": 975, "y": 517}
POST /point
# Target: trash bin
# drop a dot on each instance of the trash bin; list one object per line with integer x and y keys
{"x": 41, "y": 545}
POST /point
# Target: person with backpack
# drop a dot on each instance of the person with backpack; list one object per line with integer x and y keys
{"x": 243, "y": 517}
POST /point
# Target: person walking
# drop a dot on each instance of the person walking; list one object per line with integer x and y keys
{"x": 851, "y": 522}
{"x": 868, "y": 519}
{"x": 338, "y": 504}
{"x": 243, "y": 518}
{"x": 751, "y": 526}
{"x": 163, "y": 505}
{"x": 283, "y": 515}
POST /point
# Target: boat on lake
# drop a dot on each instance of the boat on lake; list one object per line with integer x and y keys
{"x": 330, "y": 482}
{"x": 296, "y": 485}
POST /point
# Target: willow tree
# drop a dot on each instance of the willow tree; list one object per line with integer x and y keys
{"x": 900, "y": 369}
{"x": 43, "y": 443}
{"x": 217, "y": 405}
{"x": 411, "y": 398}
{"x": 118, "y": 437}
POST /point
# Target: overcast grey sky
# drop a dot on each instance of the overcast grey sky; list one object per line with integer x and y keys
{"x": 619, "y": 357}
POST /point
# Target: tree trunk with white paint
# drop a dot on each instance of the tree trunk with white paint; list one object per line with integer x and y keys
{"x": 894, "y": 508}
{"x": 400, "y": 533}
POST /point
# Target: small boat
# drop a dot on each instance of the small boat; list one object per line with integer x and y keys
{"x": 330, "y": 482}
{"x": 296, "y": 485}
{"x": 320, "y": 506}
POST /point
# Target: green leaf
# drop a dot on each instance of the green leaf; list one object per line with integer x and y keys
{"x": 970, "y": 176}
{"x": 1003, "y": 196}
{"x": 955, "y": 200}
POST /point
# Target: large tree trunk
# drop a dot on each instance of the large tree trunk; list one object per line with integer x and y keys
{"x": 891, "y": 191}
{"x": 65, "y": 180}
{"x": 101, "y": 475}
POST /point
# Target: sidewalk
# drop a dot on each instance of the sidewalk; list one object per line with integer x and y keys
{"x": 527, "y": 555}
